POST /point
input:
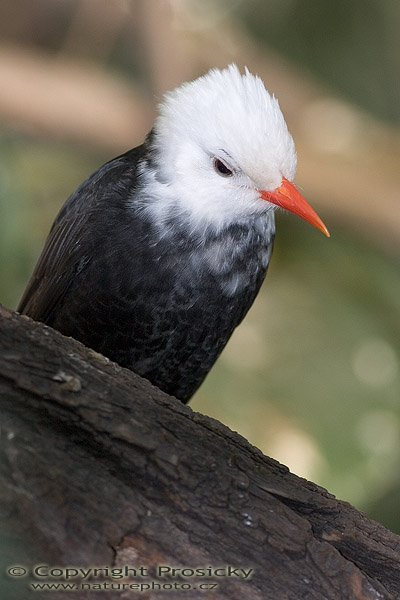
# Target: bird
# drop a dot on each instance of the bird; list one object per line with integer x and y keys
{"x": 157, "y": 257}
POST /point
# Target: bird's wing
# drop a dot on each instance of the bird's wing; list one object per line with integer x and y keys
{"x": 71, "y": 244}
{"x": 61, "y": 261}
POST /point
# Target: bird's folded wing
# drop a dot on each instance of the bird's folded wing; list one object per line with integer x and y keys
{"x": 72, "y": 240}
{"x": 61, "y": 261}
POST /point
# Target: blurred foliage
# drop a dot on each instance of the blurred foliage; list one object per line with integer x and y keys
{"x": 36, "y": 176}
{"x": 351, "y": 45}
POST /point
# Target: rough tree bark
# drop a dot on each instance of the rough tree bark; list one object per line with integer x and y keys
{"x": 99, "y": 468}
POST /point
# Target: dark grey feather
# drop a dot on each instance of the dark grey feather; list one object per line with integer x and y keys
{"x": 157, "y": 305}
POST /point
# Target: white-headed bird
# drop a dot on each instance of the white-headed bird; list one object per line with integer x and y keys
{"x": 158, "y": 256}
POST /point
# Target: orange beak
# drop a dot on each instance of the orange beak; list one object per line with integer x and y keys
{"x": 287, "y": 196}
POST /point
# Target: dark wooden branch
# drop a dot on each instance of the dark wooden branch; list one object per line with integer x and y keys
{"x": 98, "y": 467}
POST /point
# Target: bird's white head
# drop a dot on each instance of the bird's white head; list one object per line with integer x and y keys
{"x": 224, "y": 153}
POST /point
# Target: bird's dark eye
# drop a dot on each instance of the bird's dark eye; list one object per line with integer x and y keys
{"x": 221, "y": 168}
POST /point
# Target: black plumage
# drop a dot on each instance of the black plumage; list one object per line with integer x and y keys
{"x": 161, "y": 305}
{"x": 158, "y": 256}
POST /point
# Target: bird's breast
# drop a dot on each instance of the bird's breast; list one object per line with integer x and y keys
{"x": 237, "y": 259}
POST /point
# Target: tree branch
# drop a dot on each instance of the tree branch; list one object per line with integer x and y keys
{"x": 98, "y": 467}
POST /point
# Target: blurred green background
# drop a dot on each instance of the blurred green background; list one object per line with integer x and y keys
{"x": 312, "y": 376}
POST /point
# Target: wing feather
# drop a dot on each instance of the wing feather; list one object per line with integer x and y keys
{"x": 71, "y": 243}
{"x": 57, "y": 266}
